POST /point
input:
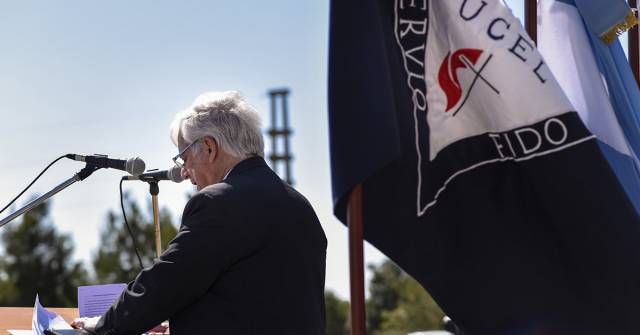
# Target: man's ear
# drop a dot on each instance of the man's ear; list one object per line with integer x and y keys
{"x": 211, "y": 148}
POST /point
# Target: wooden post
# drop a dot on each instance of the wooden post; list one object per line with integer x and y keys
{"x": 531, "y": 19}
{"x": 155, "y": 190}
{"x": 356, "y": 261}
{"x": 634, "y": 52}
{"x": 156, "y": 224}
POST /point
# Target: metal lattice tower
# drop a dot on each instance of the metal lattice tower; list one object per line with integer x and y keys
{"x": 279, "y": 133}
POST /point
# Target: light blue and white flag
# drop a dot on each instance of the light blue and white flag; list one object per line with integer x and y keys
{"x": 578, "y": 39}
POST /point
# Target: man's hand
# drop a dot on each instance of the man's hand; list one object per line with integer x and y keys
{"x": 88, "y": 324}
{"x": 160, "y": 329}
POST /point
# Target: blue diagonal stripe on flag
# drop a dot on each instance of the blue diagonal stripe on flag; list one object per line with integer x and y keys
{"x": 597, "y": 79}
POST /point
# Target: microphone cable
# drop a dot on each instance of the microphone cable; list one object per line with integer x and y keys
{"x": 135, "y": 245}
{"x": 133, "y": 238}
{"x": 21, "y": 193}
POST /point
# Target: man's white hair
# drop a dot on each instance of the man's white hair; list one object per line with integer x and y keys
{"x": 226, "y": 117}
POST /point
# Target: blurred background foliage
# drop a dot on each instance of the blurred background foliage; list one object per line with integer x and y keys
{"x": 38, "y": 259}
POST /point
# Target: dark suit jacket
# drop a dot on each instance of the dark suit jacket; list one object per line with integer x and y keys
{"x": 249, "y": 259}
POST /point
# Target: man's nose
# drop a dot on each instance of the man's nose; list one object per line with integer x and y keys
{"x": 184, "y": 173}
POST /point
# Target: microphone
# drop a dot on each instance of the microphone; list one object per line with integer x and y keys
{"x": 134, "y": 166}
{"x": 172, "y": 174}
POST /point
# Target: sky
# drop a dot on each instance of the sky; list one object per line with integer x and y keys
{"x": 108, "y": 77}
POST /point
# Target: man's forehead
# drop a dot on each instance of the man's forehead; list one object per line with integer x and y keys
{"x": 181, "y": 143}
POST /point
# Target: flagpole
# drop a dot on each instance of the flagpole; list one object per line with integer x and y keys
{"x": 531, "y": 19}
{"x": 634, "y": 52}
{"x": 356, "y": 261}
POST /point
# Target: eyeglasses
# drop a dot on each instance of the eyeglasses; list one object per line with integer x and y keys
{"x": 179, "y": 159}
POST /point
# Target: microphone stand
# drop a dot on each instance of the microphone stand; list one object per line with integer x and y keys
{"x": 82, "y": 175}
{"x": 154, "y": 190}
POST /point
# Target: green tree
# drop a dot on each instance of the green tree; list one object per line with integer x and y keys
{"x": 38, "y": 259}
{"x": 383, "y": 292}
{"x": 115, "y": 260}
{"x": 398, "y": 304}
{"x": 416, "y": 310}
{"x": 337, "y": 314}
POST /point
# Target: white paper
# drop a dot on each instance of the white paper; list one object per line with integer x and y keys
{"x": 21, "y": 332}
{"x": 43, "y": 319}
{"x": 95, "y": 300}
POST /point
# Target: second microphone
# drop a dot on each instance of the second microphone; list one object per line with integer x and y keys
{"x": 172, "y": 174}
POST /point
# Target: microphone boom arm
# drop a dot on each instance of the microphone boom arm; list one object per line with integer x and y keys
{"x": 84, "y": 173}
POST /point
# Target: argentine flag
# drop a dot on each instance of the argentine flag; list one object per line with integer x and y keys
{"x": 596, "y": 76}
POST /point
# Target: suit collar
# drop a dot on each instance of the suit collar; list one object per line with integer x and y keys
{"x": 246, "y": 164}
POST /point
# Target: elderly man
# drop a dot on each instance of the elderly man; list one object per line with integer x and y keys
{"x": 250, "y": 254}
